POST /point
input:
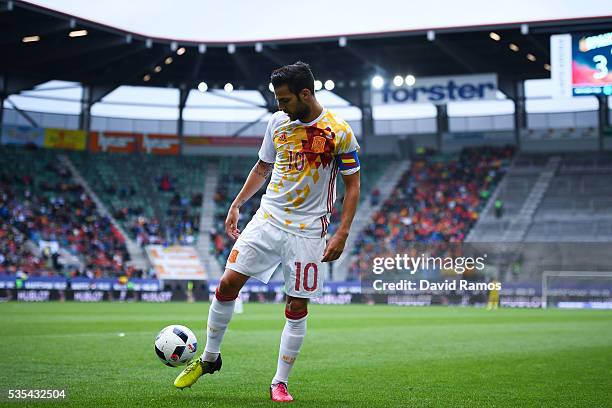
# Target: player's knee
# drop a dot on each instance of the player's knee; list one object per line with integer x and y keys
{"x": 227, "y": 288}
{"x": 297, "y": 306}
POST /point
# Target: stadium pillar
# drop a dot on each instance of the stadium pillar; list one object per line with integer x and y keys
{"x": 441, "y": 124}
{"x": 359, "y": 94}
{"x": 1, "y": 113}
{"x": 3, "y": 96}
{"x": 520, "y": 112}
{"x": 604, "y": 119}
{"x": 183, "y": 93}
{"x": 367, "y": 118}
{"x": 85, "y": 115}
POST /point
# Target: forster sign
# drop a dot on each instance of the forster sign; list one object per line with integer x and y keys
{"x": 439, "y": 90}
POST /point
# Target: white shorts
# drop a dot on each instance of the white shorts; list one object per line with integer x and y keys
{"x": 261, "y": 247}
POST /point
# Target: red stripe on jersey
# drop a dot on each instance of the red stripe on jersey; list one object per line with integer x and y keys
{"x": 330, "y": 188}
{"x": 324, "y": 225}
{"x": 333, "y": 191}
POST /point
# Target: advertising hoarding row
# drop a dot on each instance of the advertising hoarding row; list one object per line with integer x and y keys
{"x": 114, "y": 142}
{"x": 50, "y": 138}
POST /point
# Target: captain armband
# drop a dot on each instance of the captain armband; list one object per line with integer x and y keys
{"x": 348, "y": 163}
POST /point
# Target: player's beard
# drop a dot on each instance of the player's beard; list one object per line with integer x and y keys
{"x": 302, "y": 111}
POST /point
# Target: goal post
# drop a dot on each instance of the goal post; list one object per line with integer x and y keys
{"x": 568, "y": 274}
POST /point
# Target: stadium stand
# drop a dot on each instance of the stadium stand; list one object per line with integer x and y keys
{"x": 576, "y": 205}
{"x": 40, "y": 203}
{"x": 157, "y": 199}
{"x": 568, "y": 228}
{"x": 437, "y": 200}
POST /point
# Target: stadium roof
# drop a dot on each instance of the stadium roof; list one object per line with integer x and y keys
{"x": 249, "y": 21}
{"x": 109, "y": 57}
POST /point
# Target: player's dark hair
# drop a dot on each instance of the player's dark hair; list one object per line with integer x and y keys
{"x": 296, "y": 76}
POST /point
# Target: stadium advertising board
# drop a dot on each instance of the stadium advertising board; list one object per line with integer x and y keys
{"x": 65, "y": 139}
{"x": 176, "y": 262}
{"x": 222, "y": 141}
{"x": 438, "y": 90}
{"x": 115, "y": 142}
{"x": 160, "y": 144}
{"x": 22, "y": 135}
{"x": 80, "y": 289}
{"x": 581, "y": 64}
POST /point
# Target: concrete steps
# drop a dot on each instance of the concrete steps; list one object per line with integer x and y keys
{"x": 138, "y": 258}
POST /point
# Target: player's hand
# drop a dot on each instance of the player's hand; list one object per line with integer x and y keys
{"x": 231, "y": 223}
{"x": 334, "y": 247}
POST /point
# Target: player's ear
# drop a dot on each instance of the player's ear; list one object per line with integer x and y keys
{"x": 305, "y": 94}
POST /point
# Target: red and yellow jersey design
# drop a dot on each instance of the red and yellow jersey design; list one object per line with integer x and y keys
{"x": 307, "y": 158}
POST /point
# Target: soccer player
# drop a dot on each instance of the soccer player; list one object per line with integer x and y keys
{"x": 493, "y": 301}
{"x": 304, "y": 148}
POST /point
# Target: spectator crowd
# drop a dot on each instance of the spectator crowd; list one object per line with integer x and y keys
{"x": 437, "y": 200}
{"x": 49, "y": 225}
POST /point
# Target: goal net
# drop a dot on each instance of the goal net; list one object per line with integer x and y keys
{"x": 577, "y": 289}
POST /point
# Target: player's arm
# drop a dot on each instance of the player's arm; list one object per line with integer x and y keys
{"x": 257, "y": 178}
{"x": 335, "y": 245}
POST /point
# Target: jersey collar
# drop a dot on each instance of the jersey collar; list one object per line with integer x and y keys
{"x": 323, "y": 112}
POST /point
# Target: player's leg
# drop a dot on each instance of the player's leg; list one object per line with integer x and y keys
{"x": 221, "y": 311}
{"x": 255, "y": 254}
{"x": 303, "y": 272}
{"x": 296, "y": 312}
{"x": 219, "y": 315}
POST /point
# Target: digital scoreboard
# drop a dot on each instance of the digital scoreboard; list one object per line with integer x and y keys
{"x": 582, "y": 64}
{"x": 592, "y": 64}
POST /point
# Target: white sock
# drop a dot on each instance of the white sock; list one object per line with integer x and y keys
{"x": 219, "y": 316}
{"x": 290, "y": 344}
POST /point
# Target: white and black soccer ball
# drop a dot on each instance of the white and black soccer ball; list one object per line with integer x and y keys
{"x": 175, "y": 345}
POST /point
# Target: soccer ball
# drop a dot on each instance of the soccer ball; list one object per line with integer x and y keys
{"x": 175, "y": 345}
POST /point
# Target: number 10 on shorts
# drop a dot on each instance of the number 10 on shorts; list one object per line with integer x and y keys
{"x": 301, "y": 276}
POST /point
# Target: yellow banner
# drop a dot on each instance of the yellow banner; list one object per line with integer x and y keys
{"x": 65, "y": 139}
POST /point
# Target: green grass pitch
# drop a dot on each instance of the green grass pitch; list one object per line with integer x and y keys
{"x": 353, "y": 356}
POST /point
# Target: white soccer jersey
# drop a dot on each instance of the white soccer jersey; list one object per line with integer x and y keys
{"x": 306, "y": 156}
